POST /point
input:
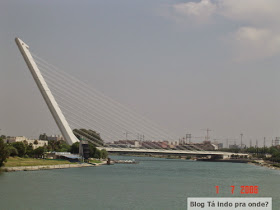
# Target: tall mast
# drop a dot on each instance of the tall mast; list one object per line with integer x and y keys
{"x": 56, "y": 112}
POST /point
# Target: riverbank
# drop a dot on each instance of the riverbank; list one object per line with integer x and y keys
{"x": 44, "y": 167}
{"x": 17, "y": 161}
{"x": 267, "y": 164}
{"x": 32, "y": 164}
{"x": 263, "y": 163}
{"x": 48, "y": 167}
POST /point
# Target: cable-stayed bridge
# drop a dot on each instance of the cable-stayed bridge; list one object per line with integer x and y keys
{"x": 79, "y": 107}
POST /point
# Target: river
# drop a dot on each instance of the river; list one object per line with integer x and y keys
{"x": 154, "y": 183}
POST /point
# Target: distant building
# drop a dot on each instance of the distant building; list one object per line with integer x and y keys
{"x": 141, "y": 144}
{"x": 207, "y": 145}
{"x": 233, "y": 146}
{"x": 220, "y": 145}
{"x": 277, "y": 141}
{"x": 52, "y": 137}
{"x": 35, "y": 143}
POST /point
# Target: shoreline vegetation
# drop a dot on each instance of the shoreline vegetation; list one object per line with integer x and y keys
{"x": 19, "y": 156}
{"x": 256, "y": 162}
{"x": 32, "y": 164}
{"x": 267, "y": 164}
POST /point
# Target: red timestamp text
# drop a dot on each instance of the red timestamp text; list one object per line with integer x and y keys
{"x": 243, "y": 189}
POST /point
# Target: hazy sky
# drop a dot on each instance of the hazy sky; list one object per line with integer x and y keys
{"x": 186, "y": 65}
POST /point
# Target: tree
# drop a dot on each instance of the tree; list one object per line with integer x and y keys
{"x": 12, "y": 151}
{"x": 63, "y": 146}
{"x": 36, "y": 142}
{"x": 103, "y": 154}
{"x": 4, "y": 153}
{"x": 97, "y": 154}
{"x": 75, "y": 148}
{"x": 20, "y": 146}
{"x": 29, "y": 150}
{"x": 39, "y": 152}
{"x": 52, "y": 145}
{"x": 92, "y": 150}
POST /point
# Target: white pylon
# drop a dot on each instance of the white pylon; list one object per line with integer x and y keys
{"x": 57, "y": 114}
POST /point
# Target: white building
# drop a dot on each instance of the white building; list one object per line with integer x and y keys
{"x": 35, "y": 143}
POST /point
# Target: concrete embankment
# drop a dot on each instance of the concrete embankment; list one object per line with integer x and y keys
{"x": 46, "y": 167}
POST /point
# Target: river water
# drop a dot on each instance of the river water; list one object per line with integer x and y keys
{"x": 154, "y": 183}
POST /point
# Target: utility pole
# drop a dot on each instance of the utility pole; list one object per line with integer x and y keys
{"x": 207, "y": 137}
{"x": 241, "y": 135}
{"x": 264, "y": 142}
{"x": 183, "y": 139}
{"x": 126, "y": 134}
{"x": 188, "y": 137}
{"x": 250, "y": 142}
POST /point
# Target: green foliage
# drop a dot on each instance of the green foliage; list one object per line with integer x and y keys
{"x": 58, "y": 146}
{"x": 276, "y": 165}
{"x": 29, "y": 150}
{"x": 21, "y": 148}
{"x": 39, "y": 152}
{"x": 93, "y": 151}
{"x": 96, "y": 153}
{"x": 260, "y": 152}
{"x": 74, "y": 148}
{"x": 62, "y": 146}
{"x": 4, "y": 153}
{"x": 12, "y": 151}
{"x": 103, "y": 154}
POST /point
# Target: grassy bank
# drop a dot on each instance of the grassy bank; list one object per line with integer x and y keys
{"x": 17, "y": 161}
{"x": 95, "y": 161}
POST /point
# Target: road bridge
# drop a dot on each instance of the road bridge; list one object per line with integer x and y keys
{"x": 170, "y": 152}
{"x": 88, "y": 109}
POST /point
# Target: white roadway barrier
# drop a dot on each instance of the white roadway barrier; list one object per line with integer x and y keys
{"x": 114, "y": 149}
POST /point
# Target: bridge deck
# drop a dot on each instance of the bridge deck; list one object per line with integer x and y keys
{"x": 163, "y": 151}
